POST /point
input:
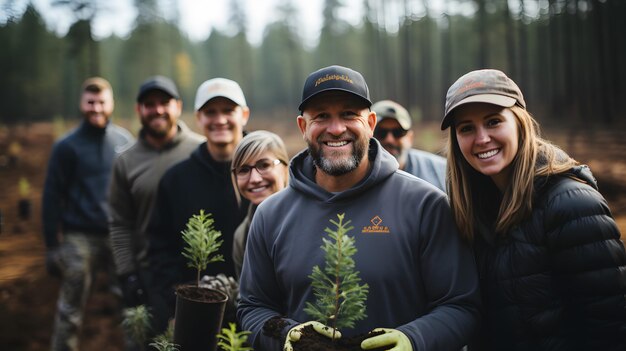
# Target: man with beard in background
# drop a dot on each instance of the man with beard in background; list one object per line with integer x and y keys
{"x": 163, "y": 141}
{"x": 393, "y": 131}
{"x": 75, "y": 210}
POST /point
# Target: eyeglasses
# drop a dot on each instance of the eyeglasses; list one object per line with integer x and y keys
{"x": 381, "y": 133}
{"x": 263, "y": 166}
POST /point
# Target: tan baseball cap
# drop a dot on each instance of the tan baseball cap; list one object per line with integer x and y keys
{"x": 486, "y": 85}
{"x": 391, "y": 109}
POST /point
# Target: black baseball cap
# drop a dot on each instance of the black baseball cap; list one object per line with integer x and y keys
{"x": 161, "y": 83}
{"x": 485, "y": 85}
{"x": 335, "y": 78}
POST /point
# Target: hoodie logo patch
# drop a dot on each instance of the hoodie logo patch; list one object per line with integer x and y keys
{"x": 376, "y": 226}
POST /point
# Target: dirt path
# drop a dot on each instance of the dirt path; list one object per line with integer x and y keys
{"x": 27, "y": 294}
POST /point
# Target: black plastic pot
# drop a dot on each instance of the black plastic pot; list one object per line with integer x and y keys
{"x": 24, "y": 207}
{"x": 198, "y": 322}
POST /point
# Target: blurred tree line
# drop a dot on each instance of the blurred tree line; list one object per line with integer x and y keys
{"x": 568, "y": 56}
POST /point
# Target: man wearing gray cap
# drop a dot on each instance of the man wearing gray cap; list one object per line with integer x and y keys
{"x": 423, "y": 287}
{"x": 201, "y": 182}
{"x": 393, "y": 131}
{"x": 163, "y": 141}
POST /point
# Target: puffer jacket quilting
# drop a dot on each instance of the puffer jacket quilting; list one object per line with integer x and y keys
{"x": 558, "y": 281}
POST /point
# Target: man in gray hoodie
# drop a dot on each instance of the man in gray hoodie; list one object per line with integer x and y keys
{"x": 423, "y": 286}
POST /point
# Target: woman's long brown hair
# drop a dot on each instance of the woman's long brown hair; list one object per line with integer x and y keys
{"x": 517, "y": 200}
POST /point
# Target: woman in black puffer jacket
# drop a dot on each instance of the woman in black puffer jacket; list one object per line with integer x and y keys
{"x": 549, "y": 254}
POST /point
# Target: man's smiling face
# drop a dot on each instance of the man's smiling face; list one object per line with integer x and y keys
{"x": 337, "y": 127}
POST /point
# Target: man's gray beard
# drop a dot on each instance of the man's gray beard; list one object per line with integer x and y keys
{"x": 340, "y": 167}
{"x": 403, "y": 156}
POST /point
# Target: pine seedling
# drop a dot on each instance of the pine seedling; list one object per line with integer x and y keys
{"x": 340, "y": 298}
{"x": 162, "y": 344}
{"x": 202, "y": 243}
{"x": 231, "y": 340}
{"x": 165, "y": 341}
{"x": 137, "y": 323}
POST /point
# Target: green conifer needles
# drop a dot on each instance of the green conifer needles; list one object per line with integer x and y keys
{"x": 137, "y": 323}
{"x": 340, "y": 298}
{"x": 231, "y": 340}
{"x": 202, "y": 242}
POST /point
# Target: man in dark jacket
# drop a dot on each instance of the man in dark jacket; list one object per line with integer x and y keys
{"x": 202, "y": 182}
{"x": 75, "y": 203}
{"x": 423, "y": 286}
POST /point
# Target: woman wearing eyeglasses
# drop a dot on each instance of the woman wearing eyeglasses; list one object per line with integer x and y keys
{"x": 259, "y": 170}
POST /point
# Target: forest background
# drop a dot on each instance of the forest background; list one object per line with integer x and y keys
{"x": 567, "y": 55}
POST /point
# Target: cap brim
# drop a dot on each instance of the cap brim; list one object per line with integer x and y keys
{"x": 143, "y": 94}
{"x": 500, "y": 100}
{"x": 403, "y": 124}
{"x": 198, "y": 105}
{"x": 305, "y": 101}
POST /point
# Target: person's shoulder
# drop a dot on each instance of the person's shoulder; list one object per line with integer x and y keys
{"x": 69, "y": 135}
{"x": 123, "y": 138}
{"x": 134, "y": 150}
{"x": 179, "y": 169}
{"x": 187, "y": 142}
{"x": 413, "y": 184}
{"x": 67, "y": 141}
{"x": 565, "y": 192}
{"x": 566, "y": 182}
{"x": 193, "y": 137}
{"x": 118, "y": 129}
{"x": 405, "y": 176}
{"x": 276, "y": 201}
{"x": 189, "y": 136}
{"x": 421, "y": 154}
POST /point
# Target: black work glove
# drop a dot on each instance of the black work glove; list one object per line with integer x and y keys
{"x": 133, "y": 290}
{"x": 53, "y": 262}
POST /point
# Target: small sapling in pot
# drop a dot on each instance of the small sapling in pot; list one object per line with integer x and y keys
{"x": 339, "y": 294}
{"x": 24, "y": 204}
{"x": 199, "y": 310}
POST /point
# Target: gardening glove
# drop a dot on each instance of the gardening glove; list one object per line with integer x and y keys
{"x": 392, "y": 337}
{"x": 295, "y": 333}
{"x": 227, "y": 285}
{"x": 133, "y": 290}
{"x": 53, "y": 262}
